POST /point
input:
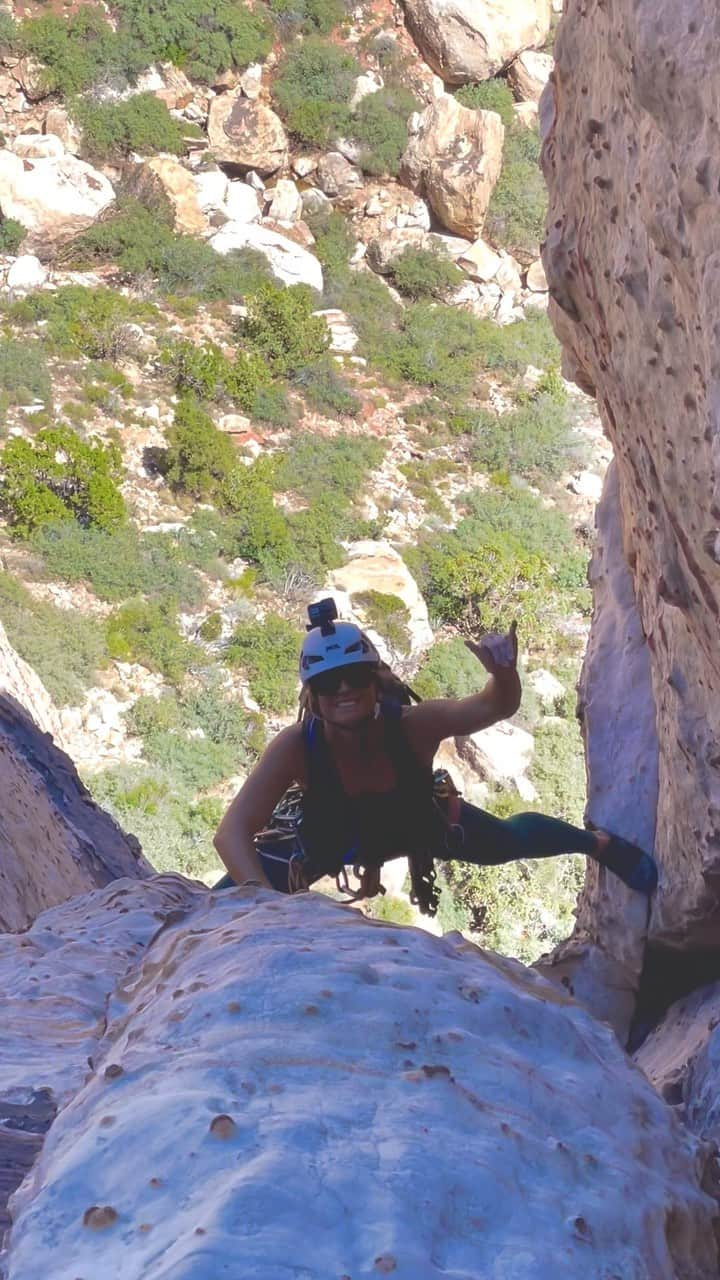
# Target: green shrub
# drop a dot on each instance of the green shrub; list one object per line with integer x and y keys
{"x": 379, "y": 126}
{"x": 316, "y": 466}
{"x": 224, "y": 723}
{"x": 518, "y": 206}
{"x": 94, "y": 322}
{"x": 57, "y": 476}
{"x": 142, "y": 242}
{"x": 78, "y": 51}
{"x": 210, "y": 628}
{"x": 532, "y": 440}
{"x": 389, "y": 909}
{"x": 334, "y": 240}
{"x": 199, "y": 458}
{"x": 268, "y": 652}
{"x": 509, "y": 349}
{"x": 435, "y": 346}
{"x": 193, "y": 762}
{"x": 523, "y": 520}
{"x": 281, "y": 328}
{"x": 205, "y": 372}
{"x": 490, "y": 95}
{"x": 312, "y": 17}
{"x": 24, "y": 376}
{"x": 325, "y": 389}
{"x": 9, "y": 33}
{"x": 558, "y": 770}
{"x": 388, "y": 615}
{"x": 272, "y": 406}
{"x": 314, "y": 535}
{"x": 367, "y": 301}
{"x": 12, "y": 234}
{"x": 142, "y": 123}
{"x": 205, "y": 37}
{"x": 119, "y": 563}
{"x": 424, "y": 273}
{"x": 313, "y": 90}
{"x": 63, "y": 646}
{"x": 146, "y": 632}
{"x": 258, "y": 531}
{"x": 448, "y": 670}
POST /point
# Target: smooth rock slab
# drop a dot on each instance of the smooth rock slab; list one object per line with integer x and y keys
{"x": 289, "y": 261}
{"x": 287, "y": 1089}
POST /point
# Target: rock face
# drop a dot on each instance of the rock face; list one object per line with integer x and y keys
{"x": 247, "y": 134}
{"x": 680, "y": 1059}
{"x": 224, "y": 1072}
{"x": 529, "y": 74}
{"x": 54, "y": 197}
{"x": 55, "y": 841}
{"x": 376, "y": 566}
{"x": 632, "y": 260}
{"x": 466, "y": 40}
{"x": 180, "y": 187}
{"x": 289, "y": 261}
{"x": 454, "y": 159}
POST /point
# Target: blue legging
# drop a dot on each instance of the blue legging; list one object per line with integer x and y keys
{"x": 480, "y": 838}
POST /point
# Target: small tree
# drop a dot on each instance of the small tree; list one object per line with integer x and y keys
{"x": 280, "y": 327}
{"x": 199, "y": 457}
{"x": 57, "y": 476}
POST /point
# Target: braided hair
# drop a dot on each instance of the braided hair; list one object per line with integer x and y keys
{"x": 423, "y": 893}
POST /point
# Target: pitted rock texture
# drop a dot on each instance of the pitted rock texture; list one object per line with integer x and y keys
{"x": 284, "y": 1087}
{"x": 54, "y": 840}
{"x": 681, "y": 1059}
{"x": 633, "y": 262}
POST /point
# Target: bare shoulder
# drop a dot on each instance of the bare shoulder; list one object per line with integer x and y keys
{"x": 287, "y": 751}
{"x": 424, "y": 727}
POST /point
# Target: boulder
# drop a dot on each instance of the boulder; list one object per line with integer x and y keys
{"x": 180, "y": 187}
{"x": 212, "y": 189}
{"x": 454, "y": 160}
{"x": 315, "y": 203}
{"x": 480, "y": 262}
{"x": 633, "y": 265}
{"x": 37, "y": 146}
{"x": 336, "y": 177}
{"x": 251, "y": 81}
{"x": 53, "y": 198}
{"x": 376, "y": 566}
{"x": 343, "y": 338}
{"x": 26, "y": 273}
{"x": 383, "y": 250}
{"x": 365, "y": 85}
{"x": 535, "y": 277}
{"x": 680, "y": 1059}
{"x": 197, "y": 1087}
{"x": 529, "y": 74}
{"x": 32, "y": 78}
{"x": 526, "y": 113}
{"x": 59, "y": 122}
{"x": 285, "y": 201}
{"x": 290, "y": 262}
{"x": 242, "y": 203}
{"x": 468, "y": 40}
{"x": 246, "y": 134}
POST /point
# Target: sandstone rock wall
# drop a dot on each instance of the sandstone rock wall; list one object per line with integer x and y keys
{"x": 279, "y": 1086}
{"x": 633, "y": 261}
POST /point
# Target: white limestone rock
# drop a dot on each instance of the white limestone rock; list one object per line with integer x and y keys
{"x": 54, "y": 197}
{"x": 221, "y": 1124}
{"x": 529, "y": 74}
{"x": 242, "y": 203}
{"x": 212, "y": 188}
{"x": 26, "y": 273}
{"x": 376, "y": 566}
{"x": 290, "y": 262}
{"x": 468, "y": 40}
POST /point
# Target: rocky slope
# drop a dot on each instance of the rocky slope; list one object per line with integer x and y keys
{"x": 223, "y": 1106}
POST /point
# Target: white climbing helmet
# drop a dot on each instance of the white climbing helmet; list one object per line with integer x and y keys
{"x": 332, "y": 644}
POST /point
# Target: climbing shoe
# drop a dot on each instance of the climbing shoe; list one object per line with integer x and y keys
{"x": 637, "y": 869}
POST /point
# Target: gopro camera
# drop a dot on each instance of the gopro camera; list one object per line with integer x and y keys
{"x": 322, "y": 614}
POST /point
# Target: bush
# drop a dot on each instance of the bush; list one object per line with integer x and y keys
{"x": 313, "y": 90}
{"x": 224, "y": 723}
{"x": 268, "y": 651}
{"x": 448, "y": 670}
{"x": 258, "y": 531}
{"x": 118, "y": 564}
{"x": 142, "y": 123}
{"x": 146, "y": 632}
{"x": 79, "y": 51}
{"x": 509, "y": 349}
{"x": 272, "y": 406}
{"x": 532, "y": 440}
{"x": 433, "y": 346}
{"x": 314, "y": 535}
{"x": 317, "y": 466}
{"x": 312, "y": 17}
{"x": 94, "y": 322}
{"x": 205, "y": 37}
{"x": 379, "y": 126}
{"x": 424, "y": 273}
{"x": 12, "y": 234}
{"x": 334, "y": 240}
{"x": 558, "y": 770}
{"x": 24, "y": 376}
{"x": 388, "y": 615}
{"x": 490, "y": 95}
{"x": 57, "y": 476}
{"x": 518, "y": 206}
{"x": 199, "y": 458}
{"x": 142, "y": 242}
{"x": 281, "y": 328}
{"x": 325, "y": 389}
{"x": 205, "y": 372}
{"x": 62, "y": 646}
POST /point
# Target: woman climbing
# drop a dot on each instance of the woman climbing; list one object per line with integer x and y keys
{"x": 364, "y": 766}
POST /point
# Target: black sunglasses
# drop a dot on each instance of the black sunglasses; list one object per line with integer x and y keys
{"x": 359, "y": 675}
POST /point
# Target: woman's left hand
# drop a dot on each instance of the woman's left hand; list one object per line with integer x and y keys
{"x": 498, "y": 653}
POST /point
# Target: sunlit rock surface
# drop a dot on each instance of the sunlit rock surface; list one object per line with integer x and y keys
{"x": 280, "y": 1087}
{"x": 633, "y": 262}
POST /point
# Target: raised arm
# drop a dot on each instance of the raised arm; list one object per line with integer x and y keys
{"x": 278, "y": 767}
{"x": 438, "y": 718}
